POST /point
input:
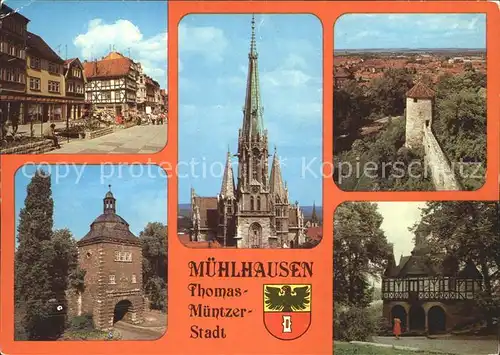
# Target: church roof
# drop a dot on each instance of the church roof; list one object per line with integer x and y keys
{"x": 253, "y": 123}
{"x": 420, "y": 91}
{"x": 227, "y": 188}
{"x": 276, "y": 181}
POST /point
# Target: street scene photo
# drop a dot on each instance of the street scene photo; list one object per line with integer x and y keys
{"x": 93, "y": 84}
{"x": 91, "y": 253}
{"x": 250, "y": 131}
{"x": 417, "y": 277}
{"x": 410, "y": 102}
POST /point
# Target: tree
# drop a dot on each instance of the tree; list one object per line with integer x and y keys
{"x": 155, "y": 263}
{"x": 388, "y": 93}
{"x": 361, "y": 252}
{"x": 467, "y": 230}
{"x": 33, "y": 284}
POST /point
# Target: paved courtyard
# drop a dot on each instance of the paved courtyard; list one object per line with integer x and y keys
{"x": 134, "y": 140}
{"x": 154, "y": 327}
{"x": 447, "y": 344}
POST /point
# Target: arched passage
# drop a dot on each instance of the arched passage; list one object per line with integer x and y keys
{"x": 436, "y": 320}
{"x": 122, "y": 311}
{"x": 417, "y": 318}
{"x": 399, "y": 311}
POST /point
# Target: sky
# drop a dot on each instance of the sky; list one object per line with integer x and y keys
{"x": 88, "y": 28}
{"x": 371, "y": 31}
{"x": 78, "y": 191}
{"x": 398, "y": 217}
{"x": 213, "y": 58}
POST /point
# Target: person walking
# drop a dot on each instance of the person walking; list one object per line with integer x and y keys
{"x": 397, "y": 328}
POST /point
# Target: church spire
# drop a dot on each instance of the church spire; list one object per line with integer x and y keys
{"x": 276, "y": 181}
{"x": 253, "y": 111}
{"x": 227, "y": 188}
{"x": 314, "y": 217}
{"x": 109, "y": 202}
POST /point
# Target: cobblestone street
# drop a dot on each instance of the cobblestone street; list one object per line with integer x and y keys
{"x": 449, "y": 344}
{"x": 134, "y": 140}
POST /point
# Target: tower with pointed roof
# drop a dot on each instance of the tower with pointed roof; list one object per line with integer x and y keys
{"x": 255, "y": 212}
{"x": 111, "y": 256}
{"x": 419, "y": 111}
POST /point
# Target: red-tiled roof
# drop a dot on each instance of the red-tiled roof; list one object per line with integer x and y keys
{"x": 420, "y": 91}
{"x": 108, "y": 68}
{"x": 315, "y": 233}
{"x": 184, "y": 238}
{"x": 341, "y": 73}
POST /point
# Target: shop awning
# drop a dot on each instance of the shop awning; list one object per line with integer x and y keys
{"x": 39, "y": 99}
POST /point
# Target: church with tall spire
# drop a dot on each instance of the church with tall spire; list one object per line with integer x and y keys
{"x": 254, "y": 212}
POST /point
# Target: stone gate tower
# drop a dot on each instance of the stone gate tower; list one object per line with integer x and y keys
{"x": 112, "y": 258}
{"x": 419, "y": 111}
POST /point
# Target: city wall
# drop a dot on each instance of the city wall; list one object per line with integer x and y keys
{"x": 443, "y": 175}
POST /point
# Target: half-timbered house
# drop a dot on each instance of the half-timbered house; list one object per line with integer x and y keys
{"x": 75, "y": 87}
{"x": 13, "y": 36}
{"x": 46, "y": 91}
{"x": 153, "y": 98}
{"x": 112, "y": 83}
{"x": 427, "y": 296}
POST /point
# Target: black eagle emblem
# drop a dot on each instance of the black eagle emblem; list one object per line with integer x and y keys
{"x": 284, "y": 299}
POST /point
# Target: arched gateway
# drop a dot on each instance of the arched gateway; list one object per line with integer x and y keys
{"x": 112, "y": 258}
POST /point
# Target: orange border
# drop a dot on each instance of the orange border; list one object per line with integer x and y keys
{"x": 247, "y": 335}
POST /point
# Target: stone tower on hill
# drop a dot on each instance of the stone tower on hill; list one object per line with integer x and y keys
{"x": 256, "y": 211}
{"x": 112, "y": 258}
{"x": 419, "y": 111}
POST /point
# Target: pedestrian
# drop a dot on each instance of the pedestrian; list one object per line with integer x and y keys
{"x": 397, "y": 328}
{"x": 50, "y": 133}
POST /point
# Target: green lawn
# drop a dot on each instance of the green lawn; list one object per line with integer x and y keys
{"x": 354, "y": 349}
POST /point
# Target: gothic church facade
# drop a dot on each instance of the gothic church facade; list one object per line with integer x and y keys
{"x": 256, "y": 211}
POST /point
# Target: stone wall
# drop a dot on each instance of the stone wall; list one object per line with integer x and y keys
{"x": 243, "y": 232}
{"x": 38, "y": 147}
{"x": 442, "y": 173}
{"x": 99, "y": 133}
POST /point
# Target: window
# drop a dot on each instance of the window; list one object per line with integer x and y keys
{"x": 89, "y": 254}
{"x": 53, "y": 68}
{"x": 106, "y": 95}
{"x": 123, "y": 256}
{"x": 251, "y": 203}
{"x": 258, "y": 203}
{"x": 79, "y": 89}
{"x": 112, "y": 279}
{"x": 71, "y": 87}
{"x": 77, "y": 73}
{"x": 35, "y": 63}
{"x": 415, "y": 100}
{"x": 35, "y": 84}
{"x": 53, "y": 86}
{"x": 134, "y": 279}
